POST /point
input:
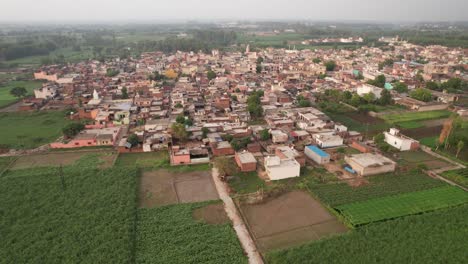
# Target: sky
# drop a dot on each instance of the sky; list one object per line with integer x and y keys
{"x": 158, "y": 10}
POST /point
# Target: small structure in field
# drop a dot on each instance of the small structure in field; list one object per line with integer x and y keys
{"x": 399, "y": 141}
{"x": 246, "y": 161}
{"x": 370, "y": 164}
{"x": 316, "y": 154}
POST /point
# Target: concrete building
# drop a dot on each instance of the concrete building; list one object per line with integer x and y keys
{"x": 45, "y": 92}
{"x": 327, "y": 140}
{"x": 367, "y": 88}
{"x": 316, "y": 154}
{"x": 370, "y": 164}
{"x": 278, "y": 169}
{"x": 279, "y": 136}
{"x": 399, "y": 141}
{"x": 246, "y": 161}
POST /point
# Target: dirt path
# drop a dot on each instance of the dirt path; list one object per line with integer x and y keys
{"x": 242, "y": 233}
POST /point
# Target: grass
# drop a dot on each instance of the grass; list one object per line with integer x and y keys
{"x": 6, "y": 98}
{"x": 31, "y": 129}
{"x": 247, "y": 182}
{"x": 4, "y": 162}
{"x": 410, "y": 124}
{"x": 415, "y": 116}
{"x": 404, "y": 204}
{"x": 91, "y": 220}
{"x": 170, "y": 235}
{"x": 459, "y": 176}
{"x": 378, "y": 186}
{"x": 155, "y": 160}
{"x": 435, "y": 237}
{"x": 429, "y": 141}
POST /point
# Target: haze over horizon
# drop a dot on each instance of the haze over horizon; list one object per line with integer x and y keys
{"x": 147, "y": 10}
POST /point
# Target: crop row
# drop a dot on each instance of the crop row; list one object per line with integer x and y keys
{"x": 404, "y": 204}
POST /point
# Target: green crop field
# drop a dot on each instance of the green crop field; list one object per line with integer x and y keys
{"x": 378, "y": 186}
{"x": 404, "y": 204}
{"x": 459, "y": 176}
{"x": 6, "y": 98}
{"x": 416, "y": 116}
{"x": 90, "y": 220}
{"x": 435, "y": 237}
{"x": 410, "y": 124}
{"x": 170, "y": 235}
{"x": 4, "y": 162}
{"x": 144, "y": 159}
{"x": 31, "y": 129}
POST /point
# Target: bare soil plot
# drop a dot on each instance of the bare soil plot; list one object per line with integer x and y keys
{"x": 211, "y": 214}
{"x": 289, "y": 220}
{"x": 364, "y": 118}
{"x": 162, "y": 187}
{"x": 55, "y": 159}
{"x": 422, "y": 132}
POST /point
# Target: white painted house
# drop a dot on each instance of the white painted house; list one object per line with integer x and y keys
{"x": 278, "y": 169}
{"x": 45, "y": 92}
{"x": 367, "y": 88}
{"x": 399, "y": 141}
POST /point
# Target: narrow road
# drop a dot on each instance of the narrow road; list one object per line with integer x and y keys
{"x": 242, "y": 233}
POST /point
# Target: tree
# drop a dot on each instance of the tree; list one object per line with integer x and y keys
{"x": 210, "y": 75}
{"x": 379, "y": 81}
{"x": 254, "y": 104}
{"x": 226, "y": 166}
{"x": 460, "y": 146}
{"x": 112, "y": 72}
{"x": 421, "y": 95}
{"x": 316, "y": 60}
{"x": 431, "y": 85}
{"x": 205, "y": 132}
{"x": 18, "y": 92}
{"x": 72, "y": 129}
{"x": 124, "y": 93}
{"x": 180, "y": 119}
{"x": 258, "y": 69}
{"x": 178, "y": 105}
{"x": 369, "y": 97}
{"x": 385, "y": 97}
{"x": 330, "y": 65}
{"x": 188, "y": 122}
{"x": 133, "y": 140}
{"x": 400, "y": 87}
{"x": 264, "y": 135}
{"x": 179, "y": 132}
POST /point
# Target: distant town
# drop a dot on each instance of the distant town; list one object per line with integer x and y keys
{"x": 248, "y": 154}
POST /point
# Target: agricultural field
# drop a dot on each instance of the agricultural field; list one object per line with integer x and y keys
{"x": 246, "y": 182}
{"x": 415, "y": 116}
{"x": 6, "y": 98}
{"x": 162, "y": 187}
{"x": 459, "y": 176}
{"x": 31, "y": 129}
{"x": 360, "y": 122}
{"x": 88, "y": 219}
{"x": 170, "y": 234}
{"x": 104, "y": 158}
{"x": 5, "y": 162}
{"x": 144, "y": 159}
{"x": 413, "y": 159}
{"x": 434, "y": 237}
{"x": 403, "y": 204}
{"x": 378, "y": 186}
{"x": 290, "y": 219}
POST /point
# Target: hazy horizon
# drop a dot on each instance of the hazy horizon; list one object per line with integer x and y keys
{"x": 137, "y": 11}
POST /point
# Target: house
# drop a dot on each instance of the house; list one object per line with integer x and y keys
{"x": 285, "y": 152}
{"x": 328, "y": 140}
{"x": 368, "y": 88}
{"x": 46, "y": 92}
{"x": 370, "y": 164}
{"x": 278, "y": 169}
{"x": 179, "y": 155}
{"x": 279, "y": 136}
{"x": 399, "y": 141}
{"x": 221, "y": 148}
{"x": 316, "y": 154}
{"x": 91, "y": 138}
{"x": 246, "y": 161}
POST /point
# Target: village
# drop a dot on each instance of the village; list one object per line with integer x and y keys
{"x": 291, "y": 141}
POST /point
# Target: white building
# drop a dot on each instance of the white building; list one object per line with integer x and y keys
{"x": 328, "y": 140}
{"x": 367, "y": 88}
{"x": 278, "y": 169}
{"x": 45, "y": 92}
{"x": 370, "y": 164}
{"x": 399, "y": 141}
